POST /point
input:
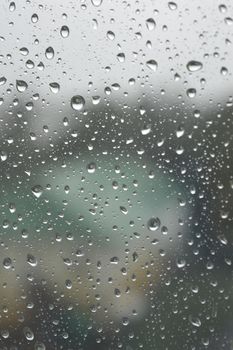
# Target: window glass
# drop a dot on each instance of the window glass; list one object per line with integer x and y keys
{"x": 116, "y": 175}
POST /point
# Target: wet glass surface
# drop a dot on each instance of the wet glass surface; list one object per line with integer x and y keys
{"x": 116, "y": 175}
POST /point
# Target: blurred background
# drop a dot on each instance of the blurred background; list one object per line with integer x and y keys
{"x": 116, "y": 175}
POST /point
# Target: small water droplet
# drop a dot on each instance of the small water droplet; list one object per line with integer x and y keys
{"x": 125, "y": 322}
{"x": 135, "y": 257}
{"x": 117, "y": 292}
{"x": 77, "y": 102}
{"x": 224, "y": 214}
{"x": 21, "y": 85}
{"x": 210, "y": 265}
{"x": 91, "y": 168}
{"x": 194, "y": 66}
{"x": 228, "y": 21}
{"x": 5, "y": 333}
{"x": 180, "y": 263}
{"x": 121, "y": 57}
{"x": 153, "y": 224}
{"x": 191, "y": 93}
{"x": 54, "y": 87}
{"x": 110, "y": 35}
{"x": 179, "y": 132}
{"x": 12, "y": 6}
{"x": 172, "y": 5}
{"x": 37, "y": 190}
{"x": 150, "y": 23}
{"x": 96, "y": 2}
{"x": 68, "y": 284}
{"x": 114, "y": 260}
{"x": 39, "y": 346}
{"x": 34, "y": 18}
{"x": 31, "y": 260}
{"x": 65, "y": 32}
{"x": 30, "y": 64}
{"x": 146, "y": 130}
{"x": 24, "y": 51}
{"x": 2, "y": 81}
{"x": 12, "y": 208}
{"x": 49, "y": 53}
{"x": 228, "y": 261}
{"x": 3, "y": 156}
{"x": 123, "y": 210}
{"x": 222, "y": 8}
{"x": 96, "y": 100}
{"x": 152, "y": 65}
{"x": 223, "y": 239}
{"x": 195, "y": 321}
{"x": 224, "y": 71}
{"x": 7, "y": 263}
{"x": 28, "y": 333}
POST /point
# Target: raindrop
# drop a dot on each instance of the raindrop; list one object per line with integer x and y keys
{"x": 2, "y": 81}
{"x": 228, "y": 21}
{"x": 194, "y": 66}
{"x": 7, "y": 263}
{"x": 54, "y": 87}
{"x": 31, "y": 260}
{"x": 209, "y": 265}
{"x": 96, "y": 100}
{"x": 224, "y": 71}
{"x": 96, "y": 2}
{"x": 114, "y": 260}
{"x": 79, "y": 253}
{"x": 21, "y": 85}
{"x": 150, "y": 23}
{"x": 123, "y": 210}
{"x": 135, "y": 257}
{"x": 121, "y": 57}
{"x": 222, "y": 8}
{"x": 91, "y": 168}
{"x": 153, "y": 224}
{"x": 34, "y": 18}
{"x": 37, "y": 190}
{"x": 180, "y": 132}
{"x": 223, "y": 239}
{"x": 125, "y": 321}
{"x": 95, "y": 23}
{"x": 12, "y": 6}
{"x": 117, "y": 292}
{"x": 12, "y": 207}
{"x": 191, "y": 93}
{"x": 152, "y": 65}
{"x": 64, "y": 31}
{"x": 30, "y": 64}
{"x": 172, "y": 5}
{"x": 49, "y": 53}
{"x": 39, "y": 346}
{"x": 180, "y": 263}
{"x": 228, "y": 261}
{"x": 110, "y": 35}
{"x": 5, "y": 333}
{"x": 224, "y": 214}
{"x": 146, "y": 130}
{"x": 24, "y": 51}
{"x": 68, "y": 284}
{"x": 77, "y": 102}
{"x": 40, "y": 66}
{"x": 29, "y": 335}
{"x": 195, "y": 321}
{"x": 3, "y": 156}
